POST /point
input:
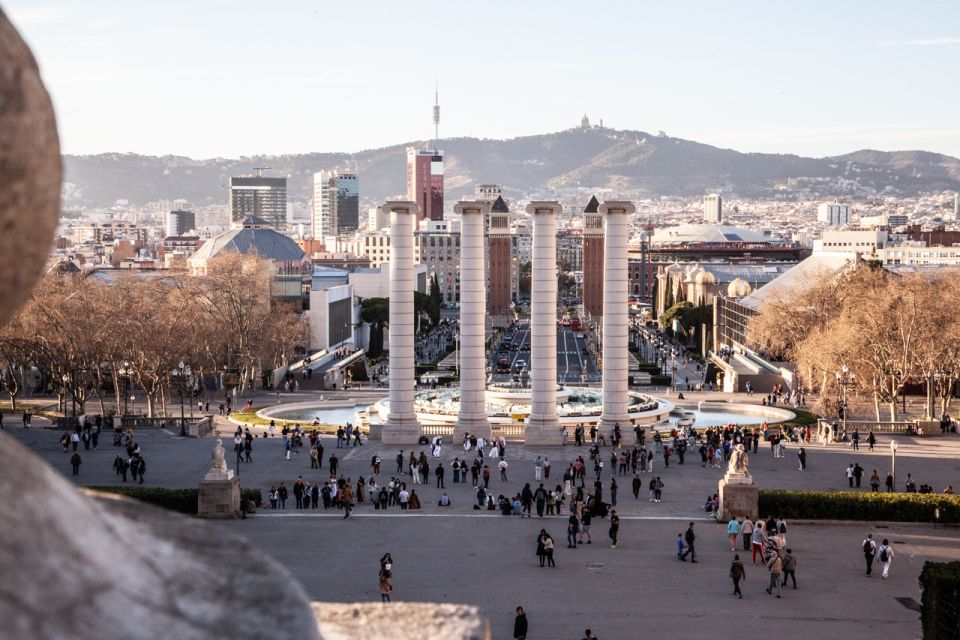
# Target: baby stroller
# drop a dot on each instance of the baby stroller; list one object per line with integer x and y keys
{"x": 772, "y": 548}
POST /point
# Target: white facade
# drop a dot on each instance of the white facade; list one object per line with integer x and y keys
{"x": 331, "y": 319}
{"x": 375, "y": 282}
{"x": 918, "y": 254}
{"x": 377, "y": 219}
{"x": 833, "y": 214}
{"x": 322, "y": 212}
{"x": 713, "y": 208}
{"x": 852, "y": 241}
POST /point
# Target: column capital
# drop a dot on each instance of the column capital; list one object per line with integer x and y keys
{"x": 544, "y": 206}
{"x": 401, "y": 206}
{"x": 617, "y": 206}
{"x": 472, "y": 206}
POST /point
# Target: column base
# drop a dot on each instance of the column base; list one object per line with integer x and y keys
{"x": 400, "y": 431}
{"x": 479, "y": 427}
{"x": 543, "y": 432}
{"x": 738, "y": 500}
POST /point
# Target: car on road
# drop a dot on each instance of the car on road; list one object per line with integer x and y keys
{"x": 503, "y": 365}
{"x": 520, "y": 365}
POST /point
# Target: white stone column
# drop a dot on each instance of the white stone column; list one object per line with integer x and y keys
{"x": 615, "y": 369}
{"x": 472, "y": 418}
{"x": 543, "y": 426}
{"x": 401, "y": 425}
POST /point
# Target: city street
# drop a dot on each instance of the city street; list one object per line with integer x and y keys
{"x": 575, "y": 363}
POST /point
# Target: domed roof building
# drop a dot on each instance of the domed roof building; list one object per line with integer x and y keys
{"x": 250, "y": 237}
{"x": 738, "y": 288}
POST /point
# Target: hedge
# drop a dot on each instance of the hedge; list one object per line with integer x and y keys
{"x": 940, "y": 610}
{"x": 179, "y": 500}
{"x": 850, "y": 505}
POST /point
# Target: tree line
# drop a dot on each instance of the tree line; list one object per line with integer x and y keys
{"x": 84, "y": 336}
{"x": 888, "y": 330}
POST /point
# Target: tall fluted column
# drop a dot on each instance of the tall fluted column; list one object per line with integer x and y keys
{"x": 543, "y": 427}
{"x": 472, "y": 418}
{"x": 615, "y": 369}
{"x": 401, "y": 425}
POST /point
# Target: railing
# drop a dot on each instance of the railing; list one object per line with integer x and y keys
{"x": 512, "y": 432}
{"x": 194, "y": 427}
{"x": 866, "y": 426}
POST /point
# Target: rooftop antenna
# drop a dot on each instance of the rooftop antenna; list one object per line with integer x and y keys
{"x": 436, "y": 114}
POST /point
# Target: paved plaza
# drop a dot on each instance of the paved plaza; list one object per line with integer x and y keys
{"x": 457, "y": 554}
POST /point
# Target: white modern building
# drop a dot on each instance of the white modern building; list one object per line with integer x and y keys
{"x": 713, "y": 208}
{"x": 833, "y": 214}
{"x": 865, "y": 241}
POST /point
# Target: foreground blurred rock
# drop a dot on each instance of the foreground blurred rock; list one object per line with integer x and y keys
{"x": 30, "y": 171}
{"x": 420, "y": 620}
{"x": 78, "y": 567}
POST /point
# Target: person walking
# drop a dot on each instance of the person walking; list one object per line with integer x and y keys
{"x": 75, "y": 462}
{"x": 573, "y": 528}
{"x": 889, "y": 483}
{"x": 757, "y": 541}
{"x": 737, "y": 573}
{"x": 538, "y": 469}
{"x": 790, "y": 568}
{"x": 541, "y": 547}
{"x": 746, "y": 532}
{"x": 385, "y": 586}
{"x": 614, "y": 528}
{"x": 548, "y": 547}
{"x": 869, "y": 551}
{"x": 885, "y": 554}
{"x": 503, "y": 470}
{"x": 520, "y": 624}
{"x": 802, "y": 457}
{"x": 733, "y": 531}
{"x": 871, "y": 440}
{"x": 540, "y": 498}
{"x": 439, "y": 473}
{"x": 775, "y": 565}
{"x": 689, "y": 537}
{"x": 875, "y": 481}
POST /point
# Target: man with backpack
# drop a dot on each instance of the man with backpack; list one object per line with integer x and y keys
{"x": 885, "y": 554}
{"x": 869, "y": 552}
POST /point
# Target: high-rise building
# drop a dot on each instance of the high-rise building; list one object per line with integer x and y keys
{"x": 179, "y": 222}
{"x": 336, "y": 203}
{"x": 499, "y": 259}
{"x": 261, "y": 197}
{"x": 593, "y": 258}
{"x": 425, "y": 182}
{"x": 713, "y": 208}
{"x": 956, "y": 207}
{"x": 833, "y": 214}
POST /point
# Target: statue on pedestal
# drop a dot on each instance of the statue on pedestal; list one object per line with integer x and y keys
{"x": 218, "y": 469}
{"x": 737, "y": 469}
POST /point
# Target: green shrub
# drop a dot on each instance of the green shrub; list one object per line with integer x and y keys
{"x": 940, "y": 611}
{"x": 849, "y": 505}
{"x": 179, "y": 500}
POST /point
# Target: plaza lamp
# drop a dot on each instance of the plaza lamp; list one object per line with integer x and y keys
{"x": 893, "y": 462}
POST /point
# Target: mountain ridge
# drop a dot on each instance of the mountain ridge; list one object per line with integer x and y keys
{"x": 538, "y": 165}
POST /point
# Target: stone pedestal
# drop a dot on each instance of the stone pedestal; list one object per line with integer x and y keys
{"x": 219, "y": 496}
{"x": 738, "y": 499}
{"x": 929, "y": 428}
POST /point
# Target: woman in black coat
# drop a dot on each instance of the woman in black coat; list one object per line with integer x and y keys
{"x": 520, "y": 625}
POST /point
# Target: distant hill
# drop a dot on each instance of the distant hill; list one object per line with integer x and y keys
{"x": 539, "y": 165}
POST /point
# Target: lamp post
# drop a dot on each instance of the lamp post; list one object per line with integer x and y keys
{"x": 844, "y": 379}
{"x": 179, "y": 376}
{"x": 893, "y": 462}
{"x": 66, "y": 381}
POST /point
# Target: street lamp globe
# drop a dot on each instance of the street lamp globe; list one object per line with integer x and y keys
{"x": 893, "y": 446}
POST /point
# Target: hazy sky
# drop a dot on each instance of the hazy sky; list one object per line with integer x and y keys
{"x": 234, "y": 77}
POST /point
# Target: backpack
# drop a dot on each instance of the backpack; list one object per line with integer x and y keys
{"x": 883, "y": 554}
{"x": 867, "y": 547}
